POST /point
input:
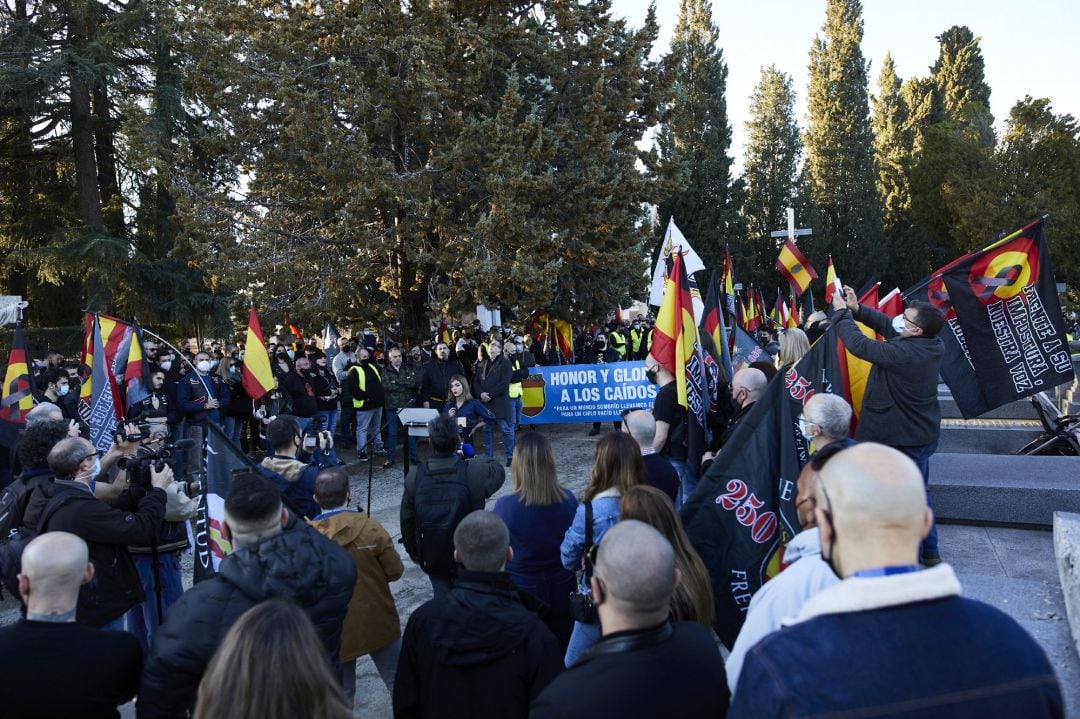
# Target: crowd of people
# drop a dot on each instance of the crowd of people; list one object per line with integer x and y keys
{"x": 543, "y": 603}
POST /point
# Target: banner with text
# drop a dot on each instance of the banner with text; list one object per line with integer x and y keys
{"x": 585, "y": 392}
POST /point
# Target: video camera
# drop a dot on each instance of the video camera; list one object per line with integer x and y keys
{"x": 138, "y": 467}
{"x": 122, "y": 433}
{"x": 311, "y": 433}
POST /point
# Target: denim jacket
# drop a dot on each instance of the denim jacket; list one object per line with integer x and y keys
{"x": 605, "y": 515}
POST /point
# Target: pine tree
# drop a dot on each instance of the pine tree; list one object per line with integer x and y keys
{"x": 839, "y": 148}
{"x": 694, "y": 140}
{"x": 771, "y": 171}
{"x": 961, "y": 93}
{"x": 404, "y": 160}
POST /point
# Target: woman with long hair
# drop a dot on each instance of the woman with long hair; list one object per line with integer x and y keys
{"x": 461, "y": 405}
{"x": 793, "y": 345}
{"x": 271, "y": 665}
{"x": 617, "y": 468}
{"x": 693, "y": 598}
{"x": 538, "y": 513}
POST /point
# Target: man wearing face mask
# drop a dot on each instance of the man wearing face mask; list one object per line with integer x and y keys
{"x": 900, "y": 406}
{"x": 892, "y": 638}
{"x": 364, "y": 383}
{"x": 297, "y": 384}
{"x": 670, "y": 439}
{"x": 435, "y": 384}
{"x": 201, "y": 396}
{"x": 746, "y": 388}
{"x": 107, "y": 530}
{"x": 521, "y": 363}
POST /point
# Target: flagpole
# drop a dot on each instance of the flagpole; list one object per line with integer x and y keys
{"x": 179, "y": 354}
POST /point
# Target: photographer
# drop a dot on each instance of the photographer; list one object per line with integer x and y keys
{"x": 107, "y": 530}
{"x": 291, "y": 462}
{"x": 158, "y": 562}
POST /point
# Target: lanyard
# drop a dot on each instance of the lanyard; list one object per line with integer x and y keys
{"x": 330, "y": 513}
{"x": 886, "y": 571}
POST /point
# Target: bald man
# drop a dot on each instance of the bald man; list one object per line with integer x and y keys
{"x": 892, "y": 638}
{"x": 641, "y": 426}
{"x": 645, "y": 665}
{"x": 52, "y": 666}
{"x": 747, "y": 386}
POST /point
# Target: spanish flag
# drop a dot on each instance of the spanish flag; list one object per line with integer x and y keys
{"x": 793, "y": 315}
{"x": 297, "y": 334}
{"x": 855, "y": 372}
{"x": 257, "y": 378}
{"x": 113, "y": 334}
{"x": 794, "y": 266}
{"x": 135, "y": 370}
{"x": 675, "y": 346}
{"x": 17, "y": 397}
{"x": 753, "y": 315}
{"x": 830, "y": 282}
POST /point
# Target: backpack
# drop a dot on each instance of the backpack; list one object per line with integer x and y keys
{"x": 13, "y": 501}
{"x": 13, "y": 544}
{"x": 442, "y": 500}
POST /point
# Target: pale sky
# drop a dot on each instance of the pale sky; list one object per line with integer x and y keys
{"x": 1030, "y": 48}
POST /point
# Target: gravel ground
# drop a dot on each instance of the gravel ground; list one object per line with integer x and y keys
{"x": 573, "y": 455}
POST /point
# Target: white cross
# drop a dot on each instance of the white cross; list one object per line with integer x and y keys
{"x": 791, "y": 233}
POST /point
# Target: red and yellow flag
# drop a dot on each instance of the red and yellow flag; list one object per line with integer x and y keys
{"x": 17, "y": 397}
{"x": 113, "y": 332}
{"x": 792, "y": 315}
{"x": 257, "y": 378}
{"x": 753, "y": 315}
{"x": 675, "y": 346}
{"x": 830, "y": 282}
{"x": 298, "y": 335}
{"x": 795, "y": 268}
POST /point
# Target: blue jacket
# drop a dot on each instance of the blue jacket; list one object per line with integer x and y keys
{"x": 191, "y": 395}
{"x": 605, "y": 516}
{"x": 900, "y": 645}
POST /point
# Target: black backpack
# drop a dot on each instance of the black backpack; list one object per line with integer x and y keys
{"x": 14, "y": 542}
{"x": 13, "y": 501}
{"x": 442, "y": 500}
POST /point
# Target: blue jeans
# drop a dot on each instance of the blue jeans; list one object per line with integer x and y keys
{"x": 143, "y": 618}
{"x": 583, "y": 637}
{"x": 368, "y": 421}
{"x": 393, "y": 424}
{"x": 921, "y": 457}
{"x": 515, "y": 412}
{"x": 687, "y": 481}
{"x": 507, "y": 428}
{"x": 329, "y": 424}
{"x": 233, "y": 425}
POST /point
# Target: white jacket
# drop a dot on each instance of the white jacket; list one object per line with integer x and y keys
{"x": 782, "y": 597}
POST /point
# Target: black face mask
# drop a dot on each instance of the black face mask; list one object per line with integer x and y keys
{"x": 650, "y": 374}
{"x": 830, "y": 559}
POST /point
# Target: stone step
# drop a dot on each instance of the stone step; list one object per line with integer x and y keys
{"x": 1021, "y": 409}
{"x": 1014, "y": 490}
{"x": 1067, "y": 551}
{"x": 987, "y": 436}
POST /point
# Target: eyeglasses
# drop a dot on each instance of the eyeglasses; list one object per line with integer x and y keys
{"x": 907, "y": 321}
{"x": 96, "y": 453}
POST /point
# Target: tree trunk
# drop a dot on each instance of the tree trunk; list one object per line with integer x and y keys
{"x": 82, "y": 135}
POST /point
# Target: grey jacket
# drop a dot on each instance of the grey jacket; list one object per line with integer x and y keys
{"x": 900, "y": 406}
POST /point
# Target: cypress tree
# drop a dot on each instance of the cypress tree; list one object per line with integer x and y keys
{"x": 839, "y": 168}
{"x": 772, "y": 162}
{"x": 694, "y": 140}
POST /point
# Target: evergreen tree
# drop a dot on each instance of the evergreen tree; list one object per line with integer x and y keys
{"x": 960, "y": 90}
{"x": 404, "y": 159}
{"x": 694, "y": 140}
{"x": 839, "y": 168}
{"x": 771, "y": 171}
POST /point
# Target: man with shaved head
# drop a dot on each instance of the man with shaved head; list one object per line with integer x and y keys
{"x": 645, "y": 665}
{"x": 747, "y": 386}
{"x": 52, "y": 666}
{"x": 641, "y": 426}
{"x": 893, "y": 638}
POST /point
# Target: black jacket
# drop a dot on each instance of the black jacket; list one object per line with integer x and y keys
{"x": 372, "y": 394}
{"x": 435, "y": 384}
{"x": 107, "y": 531}
{"x": 477, "y": 653}
{"x": 493, "y": 377}
{"x": 673, "y": 670}
{"x": 301, "y": 392}
{"x": 900, "y": 406}
{"x": 298, "y": 564}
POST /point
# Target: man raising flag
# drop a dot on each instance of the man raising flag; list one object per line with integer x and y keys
{"x": 675, "y": 349}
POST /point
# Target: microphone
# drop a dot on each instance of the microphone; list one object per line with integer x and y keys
{"x": 182, "y": 444}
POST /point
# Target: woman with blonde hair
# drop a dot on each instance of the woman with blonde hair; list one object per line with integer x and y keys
{"x": 271, "y": 665}
{"x": 617, "y": 468}
{"x": 793, "y": 345}
{"x": 538, "y": 513}
{"x": 693, "y": 598}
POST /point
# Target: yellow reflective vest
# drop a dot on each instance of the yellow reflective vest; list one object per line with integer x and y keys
{"x": 361, "y": 380}
{"x": 515, "y": 387}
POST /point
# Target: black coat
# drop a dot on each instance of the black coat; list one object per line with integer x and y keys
{"x": 477, "y": 653}
{"x": 900, "y": 406}
{"x": 435, "y": 384}
{"x": 108, "y": 531}
{"x": 674, "y": 672}
{"x": 493, "y": 377}
{"x": 298, "y": 564}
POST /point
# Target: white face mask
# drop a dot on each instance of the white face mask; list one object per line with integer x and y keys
{"x": 804, "y": 428}
{"x": 898, "y": 324}
{"x": 93, "y": 473}
{"x": 166, "y": 365}
{"x": 203, "y": 366}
